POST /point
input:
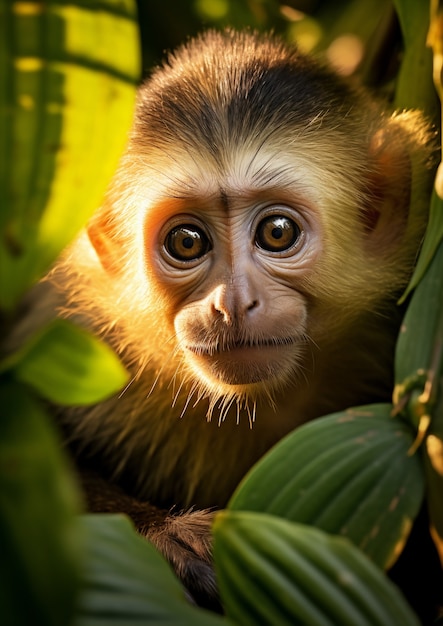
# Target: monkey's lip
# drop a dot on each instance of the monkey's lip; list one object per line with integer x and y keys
{"x": 240, "y": 346}
{"x": 242, "y": 362}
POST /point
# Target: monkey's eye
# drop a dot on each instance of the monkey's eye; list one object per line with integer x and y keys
{"x": 187, "y": 242}
{"x": 276, "y": 233}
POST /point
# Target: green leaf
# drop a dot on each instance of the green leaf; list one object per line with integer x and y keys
{"x": 68, "y": 365}
{"x": 433, "y": 463}
{"x": 126, "y": 581}
{"x": 347, "y": 474}
{"x": 433, "y": 238}
{"x": 40, "y": 539}
{"x": 419, "y": 373}
{"x": 415, "y": 89}
{"x": 419, "y": 358}
{"x": 68, "y": 74}
{"x": 419, "y": 352}
{"x": 272, "y": 571}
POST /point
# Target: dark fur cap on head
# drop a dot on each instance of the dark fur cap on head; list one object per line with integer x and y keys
{"x": 235, "y": 84}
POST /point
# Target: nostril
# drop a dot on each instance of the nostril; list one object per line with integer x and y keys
{"x": 232, "y": 302}
{"x": 223, "y": 312}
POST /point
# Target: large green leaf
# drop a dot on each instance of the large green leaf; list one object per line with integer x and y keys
{"x": 68, "y": 366}
{"x": 349, "y": 474}
{"x": 419, "y": 375}
{"x": 67, "y": 82}
{"x": 272, "y": 571}
{"x": 39, "y": 534}
{"x": 126, "y": 581}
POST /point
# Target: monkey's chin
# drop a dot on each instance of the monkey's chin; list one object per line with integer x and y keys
{"x": 246, "y": 365}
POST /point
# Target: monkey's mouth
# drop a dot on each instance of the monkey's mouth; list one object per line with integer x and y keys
{"x": 240, "y": 345}
{"x": 243, "y": 362}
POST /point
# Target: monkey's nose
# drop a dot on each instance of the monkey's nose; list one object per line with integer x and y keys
{"x": 233, "y": 303}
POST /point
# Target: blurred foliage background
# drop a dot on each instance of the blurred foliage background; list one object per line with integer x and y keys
{"x": 354, "y": 35}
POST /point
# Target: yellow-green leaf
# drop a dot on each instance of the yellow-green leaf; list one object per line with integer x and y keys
{"x": 68, "y": 365}
{"x": 68, "y": 73}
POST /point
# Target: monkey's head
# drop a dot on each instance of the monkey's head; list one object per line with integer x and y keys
{"x": 261, "y": 209}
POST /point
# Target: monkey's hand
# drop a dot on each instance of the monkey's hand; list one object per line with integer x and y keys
{"x": 184, "y": 538}
{"x": 185, "y": 541}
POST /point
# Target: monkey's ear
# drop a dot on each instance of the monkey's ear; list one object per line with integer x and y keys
{"x": 405, "y": 139}
{"x": 385, "y": 209}
{"x": 99, "y": 231}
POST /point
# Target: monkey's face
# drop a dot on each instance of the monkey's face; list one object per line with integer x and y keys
{"x": 233, "y": 265}
{"x": 259, "y": 211}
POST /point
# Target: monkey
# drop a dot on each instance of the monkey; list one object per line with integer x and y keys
{"x": 245, "y": 264}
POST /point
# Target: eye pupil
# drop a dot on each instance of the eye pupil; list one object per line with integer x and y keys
{"x": 277, "y": 233}
{"x": 187, "y": 242}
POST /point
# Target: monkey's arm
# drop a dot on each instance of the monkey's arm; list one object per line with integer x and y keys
{"x": 182, "y": 538}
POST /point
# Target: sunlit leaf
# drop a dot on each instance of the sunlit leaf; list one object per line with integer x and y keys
{"x": 272, "y": 571}
{"x": 68, "y": 73}
{"x": 69, "y": 366}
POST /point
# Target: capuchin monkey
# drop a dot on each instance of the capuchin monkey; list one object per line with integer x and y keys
{"x": 245, "y": 265}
